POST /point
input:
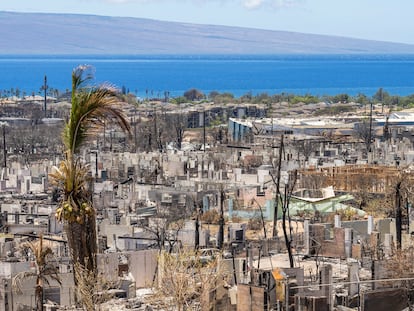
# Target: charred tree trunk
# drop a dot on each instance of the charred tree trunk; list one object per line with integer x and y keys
{"x": 277, "y": 185}
{"x": 197, "y": 232}
{"x": 82, "y": 243}
{"x": 82, "y": 239}
{"x": 4, "y": 147}
{"x": 39, "y": 297}
{"x": 398, "y": 213}
{"x": 285, "y": 215}
{"x": 221, "y": 223}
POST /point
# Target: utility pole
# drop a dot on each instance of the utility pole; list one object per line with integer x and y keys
{"x": 44, "y": 88}
{"x": 96, "y": 165}
{"x": 277, "y": 185}
{"x": 135, "y": 130}
{"x": 370, "y": 128}
{"x": 4, "y": 145}
{"x": 110, "y": 140}
{"x": 204, "y": 129}
{"x": 155, "y": 126}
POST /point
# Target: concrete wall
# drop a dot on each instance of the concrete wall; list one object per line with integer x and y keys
{"x": 16, "y": 300}
{"x": 385, "y": 226}
{"x": 250, "y": 298}
{"x": 108, "y": 266}
{"x": 142, "y": 266}
{"x": 311, "y": 303}
{"x": 394, "y": 299}
{"x": 10, "y": 269}
{"x": 360, "y": 227}
{"x": 328, "y": 248}
{"x": 174, "y": 168}
{"x": 110, "y": 231}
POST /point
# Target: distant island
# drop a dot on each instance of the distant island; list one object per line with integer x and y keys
{"x": 57, "y": 34}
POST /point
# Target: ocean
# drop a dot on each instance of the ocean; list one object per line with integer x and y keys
{"x": 273, "y": 74}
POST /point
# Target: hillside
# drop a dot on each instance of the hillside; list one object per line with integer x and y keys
{"x": 38, "y": 33}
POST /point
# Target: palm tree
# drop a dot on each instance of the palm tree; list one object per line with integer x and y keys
{"x": 90, "y": 107}
{"x": 45, "y": 270}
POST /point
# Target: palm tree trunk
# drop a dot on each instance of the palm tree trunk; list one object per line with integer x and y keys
{"x": 39, "y": 297}
{"x": 82, "y": 242}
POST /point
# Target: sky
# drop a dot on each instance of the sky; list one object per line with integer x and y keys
{"x": 382, "y": 20}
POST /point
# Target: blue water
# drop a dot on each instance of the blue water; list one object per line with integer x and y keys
{"x": 316, "y": 75}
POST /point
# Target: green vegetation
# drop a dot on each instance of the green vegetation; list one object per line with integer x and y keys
{"x": 306, "y": 99}
{"x": 223, "y": 98}
{"x": 333, "y": 110}
{"x": 179, "y": 100}
{"x": 381, "y": 96}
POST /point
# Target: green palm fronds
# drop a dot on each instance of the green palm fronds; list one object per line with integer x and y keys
{"x": 91, "y": 106}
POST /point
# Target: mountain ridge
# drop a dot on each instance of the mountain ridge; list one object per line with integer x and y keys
{"x": 59, "y": 34}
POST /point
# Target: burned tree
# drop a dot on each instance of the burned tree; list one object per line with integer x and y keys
{"x": 276, "y": 181}
{"x": 187, "y": 281}
{"x": 363, "y": 131}
{"x": 178, "y": 122}
{"x": 306, "y": 147}
{"x": 283, "y": 200}
{"x": 286, "y": 220}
